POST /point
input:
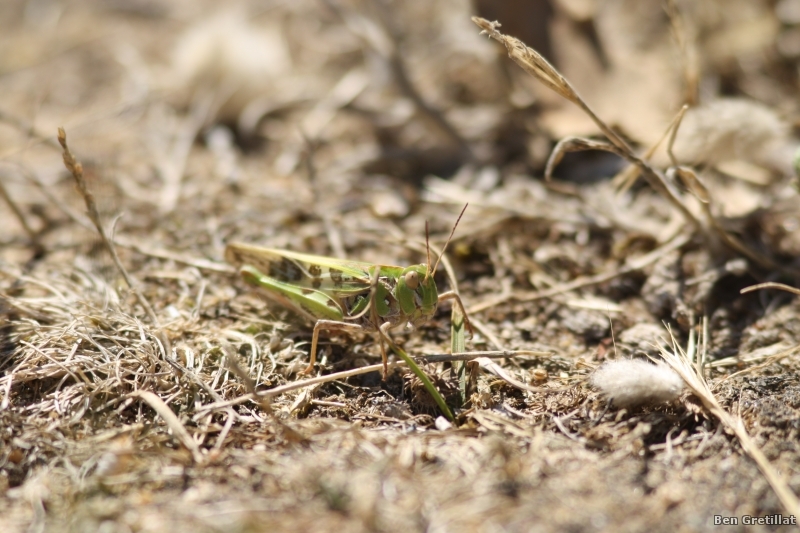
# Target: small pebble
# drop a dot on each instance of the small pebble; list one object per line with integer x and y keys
{"x": 442, "y": 424}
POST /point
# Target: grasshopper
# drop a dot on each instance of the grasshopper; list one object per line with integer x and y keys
{"x": 343, "y": 295}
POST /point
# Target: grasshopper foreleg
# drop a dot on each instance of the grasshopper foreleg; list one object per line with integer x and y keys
{"x": 329, "y": 325}
{"x": 384, "y": 336}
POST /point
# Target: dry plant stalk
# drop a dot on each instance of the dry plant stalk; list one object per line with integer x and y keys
{"x": 537, "y": 66}
{"x": 628, "y": 176}
{"x": 690, "y": 181}
{"x": 692, "y": 374}
{"x": 76, "y": 169}
{"x": 686, "y": 39}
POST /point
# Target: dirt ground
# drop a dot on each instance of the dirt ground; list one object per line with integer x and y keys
{"x": 136, "y": 401}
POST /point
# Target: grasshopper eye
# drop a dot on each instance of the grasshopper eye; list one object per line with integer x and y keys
{"x": 412, "y": 280}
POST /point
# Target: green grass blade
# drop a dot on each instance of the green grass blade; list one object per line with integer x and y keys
{"x": 423, "y": 377}
{"x": 458, "y": 345}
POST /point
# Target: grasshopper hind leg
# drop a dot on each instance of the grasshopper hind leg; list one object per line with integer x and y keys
{"x": 329, "y": 325}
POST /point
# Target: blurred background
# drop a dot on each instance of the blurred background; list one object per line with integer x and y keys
{"x": 387, "y": 93}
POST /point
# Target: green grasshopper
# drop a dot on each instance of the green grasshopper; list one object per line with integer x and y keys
{"x": 342, "y": 295}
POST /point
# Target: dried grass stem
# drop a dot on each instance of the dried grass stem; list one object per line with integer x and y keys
{"x": 76, "y": 169}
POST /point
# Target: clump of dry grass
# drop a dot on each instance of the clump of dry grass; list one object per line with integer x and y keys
{"x": 76, "y": 169}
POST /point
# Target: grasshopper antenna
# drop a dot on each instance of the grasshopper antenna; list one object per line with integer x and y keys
{"x": 446, "y": 243}
{"x": 428, "y": 250}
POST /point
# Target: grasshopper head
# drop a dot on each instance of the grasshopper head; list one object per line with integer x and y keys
{"x": 416, "y": 291}
{"x": 417, "y": 294}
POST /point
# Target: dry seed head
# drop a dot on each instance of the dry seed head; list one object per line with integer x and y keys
{"x": 529, "y": 59}
{"x": 635, "y": 382}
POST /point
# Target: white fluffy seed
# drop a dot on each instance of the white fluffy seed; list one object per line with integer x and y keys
{"x": 635, "y": 382}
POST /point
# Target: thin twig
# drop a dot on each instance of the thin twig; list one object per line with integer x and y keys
{"x": 437, "y": 358}
{"x": 771, "y": 285}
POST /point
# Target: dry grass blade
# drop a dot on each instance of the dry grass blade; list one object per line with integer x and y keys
{"x": 689, "y": 180}
{"x": 250, "y": 385}
{"x": 76, "y": 169}
{"x": 576, "y": 144}
{"x": 685, "y": 37}
{"x": 172, "y": 421}
{"x": 536, "y": 65}
{"x": 681, "y": 362}
{"x": 771, "y": 285}
{"x": 533, "y": 63}
{"x": 627, "y": 177}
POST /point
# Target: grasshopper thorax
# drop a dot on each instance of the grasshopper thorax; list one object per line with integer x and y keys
{"x": 416, "y": 294}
